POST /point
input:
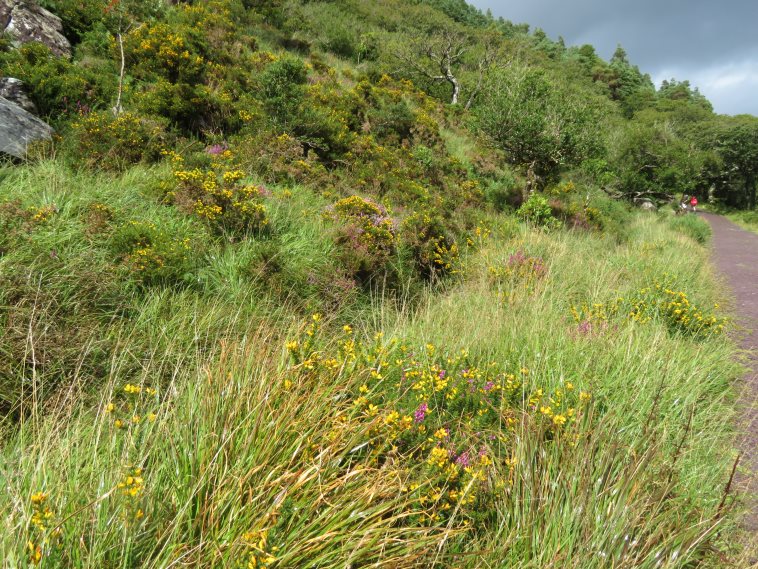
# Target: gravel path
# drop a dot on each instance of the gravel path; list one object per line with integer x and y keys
{"x": 736, "y": 256}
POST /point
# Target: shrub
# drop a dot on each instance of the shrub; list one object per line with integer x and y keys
{"x": 282, "y": 88}
{"x": 218, "y": 195}
{"x": 100, "y": 140}
{"x": 57, "y": 86}
{"x": 537, "y": 210}
{"x": 432, "y": 249}
{"x": 152, "y": 256}
{"x": 365, "y": 237}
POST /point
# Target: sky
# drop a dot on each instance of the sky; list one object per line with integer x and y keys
{"x": 711, "y": 43}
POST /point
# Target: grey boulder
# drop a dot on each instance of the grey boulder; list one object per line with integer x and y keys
{"x": 25, "y": 22}
{"x": 18, "y": 128}
{"x": 13, "y": 90}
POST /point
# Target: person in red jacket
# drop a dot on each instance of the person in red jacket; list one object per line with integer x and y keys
{"x": 693, "y": 202}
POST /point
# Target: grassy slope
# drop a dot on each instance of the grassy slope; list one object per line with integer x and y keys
{"x": 251, "y": 457}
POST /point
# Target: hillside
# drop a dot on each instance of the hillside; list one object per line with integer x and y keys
{"x": 351, "y": 284}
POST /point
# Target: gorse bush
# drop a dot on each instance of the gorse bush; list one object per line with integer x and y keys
{"x": 433, "y": 251}
{"x": 59, "y": 88}
{"x": 152, "y": 256}
{"x": 366, "y": 237}
{"x": 219, "y": 195}
{"x": 116, "y": 142}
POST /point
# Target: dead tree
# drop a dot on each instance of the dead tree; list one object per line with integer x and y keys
{"x": 437, "y": 58}
{"x": 442, "y": 56}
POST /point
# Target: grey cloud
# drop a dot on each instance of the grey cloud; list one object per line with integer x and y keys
{"x": 694, "y": 39}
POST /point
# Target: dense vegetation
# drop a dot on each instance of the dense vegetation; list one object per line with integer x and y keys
{"x": 351, "y": 283}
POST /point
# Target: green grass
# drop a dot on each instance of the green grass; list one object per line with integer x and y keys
{"x": 692, "y": 226}
{"x": 745, "y": 219}
{"x": 250, "y": 450}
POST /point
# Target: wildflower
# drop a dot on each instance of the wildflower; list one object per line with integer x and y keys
{"x": 39, "y": 497}
{"x": 584, "y": 396}
{"x": 559, "y": 420}
{"x": 463, "y": 460}
{"x": 110, "y": 407}
{"x": 420, "y": 413}
{"x": 35, "y": 552}
{"x": 441, "y": 433}
{"x": 438, "y": 457}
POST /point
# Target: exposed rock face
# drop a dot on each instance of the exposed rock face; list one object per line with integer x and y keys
{"x": 13, "y": 90}
{"x": 25, "y": 21}
{"x": 18, "y": 128}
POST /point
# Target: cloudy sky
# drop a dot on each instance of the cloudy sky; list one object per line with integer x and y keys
{"x": 713, "y": 43}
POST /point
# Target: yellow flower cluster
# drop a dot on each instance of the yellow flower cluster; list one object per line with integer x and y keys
{"x": 218, "y": 195}
{"x": 436, "y": 412}
{"x": 659, "y": 301}
{"x": 258, "y": 553}
{"x": 42, "y": 214}
{"x": 135, "y": 409}
{"x": 131, "y": 488}
{"x": 45, "y": 529}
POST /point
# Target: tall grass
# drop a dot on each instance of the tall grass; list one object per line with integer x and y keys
{"x": 215, "y": 430}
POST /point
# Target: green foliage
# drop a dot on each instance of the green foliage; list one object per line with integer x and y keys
{"x": 153, "y": 256}
{"x": 653, "y": 160}
{"x": 734, "y": 175}
{"x": 537, "y": 210}
{"x": 366, "y": 238}
{"x": 59, "y": 88}
{"x": 283, "y": 89}
{"x": 538, "y": 125}
{"x": 218, "y": 194}
{"x": 432, "y": 250}
{"x": 100, "y": 140}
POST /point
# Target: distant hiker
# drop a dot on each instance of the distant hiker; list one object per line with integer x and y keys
{"x": 684, "y": 205}
{"x": 693, "y": 203}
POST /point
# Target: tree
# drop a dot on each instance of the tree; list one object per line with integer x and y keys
{"x": 445, "y": 55}
{"x": 735, "y": 141}
{"x": 541, "y": 126}
{"x": 654, "y": 161}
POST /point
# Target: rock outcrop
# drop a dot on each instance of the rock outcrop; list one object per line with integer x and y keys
{"x": 13, "y": 90}
{"x": 18, "y": 128}
{"x": 25, "y": 21}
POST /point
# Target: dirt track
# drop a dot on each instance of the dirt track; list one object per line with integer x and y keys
{"x": 735, "y": 254}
